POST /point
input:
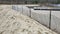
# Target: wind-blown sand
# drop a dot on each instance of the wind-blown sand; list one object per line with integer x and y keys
{"x": 12, "y": 22}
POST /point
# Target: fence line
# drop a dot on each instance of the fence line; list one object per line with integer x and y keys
{"x": 46, "y": 18}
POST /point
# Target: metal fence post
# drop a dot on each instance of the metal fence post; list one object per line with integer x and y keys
{"x": 30, "y": 12}
{"x": 50, "y": 20}
{"x": 22, "y": 8}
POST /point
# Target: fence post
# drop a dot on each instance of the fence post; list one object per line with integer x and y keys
{"x": 50, "y": 20}
{"x": 30, "y": 12}
{"x": 22, "y": 8}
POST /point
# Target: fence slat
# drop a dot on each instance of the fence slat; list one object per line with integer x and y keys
{"x": 55, "y": 21}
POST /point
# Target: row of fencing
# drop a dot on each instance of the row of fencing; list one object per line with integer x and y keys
{"x": 49, "y": 18}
